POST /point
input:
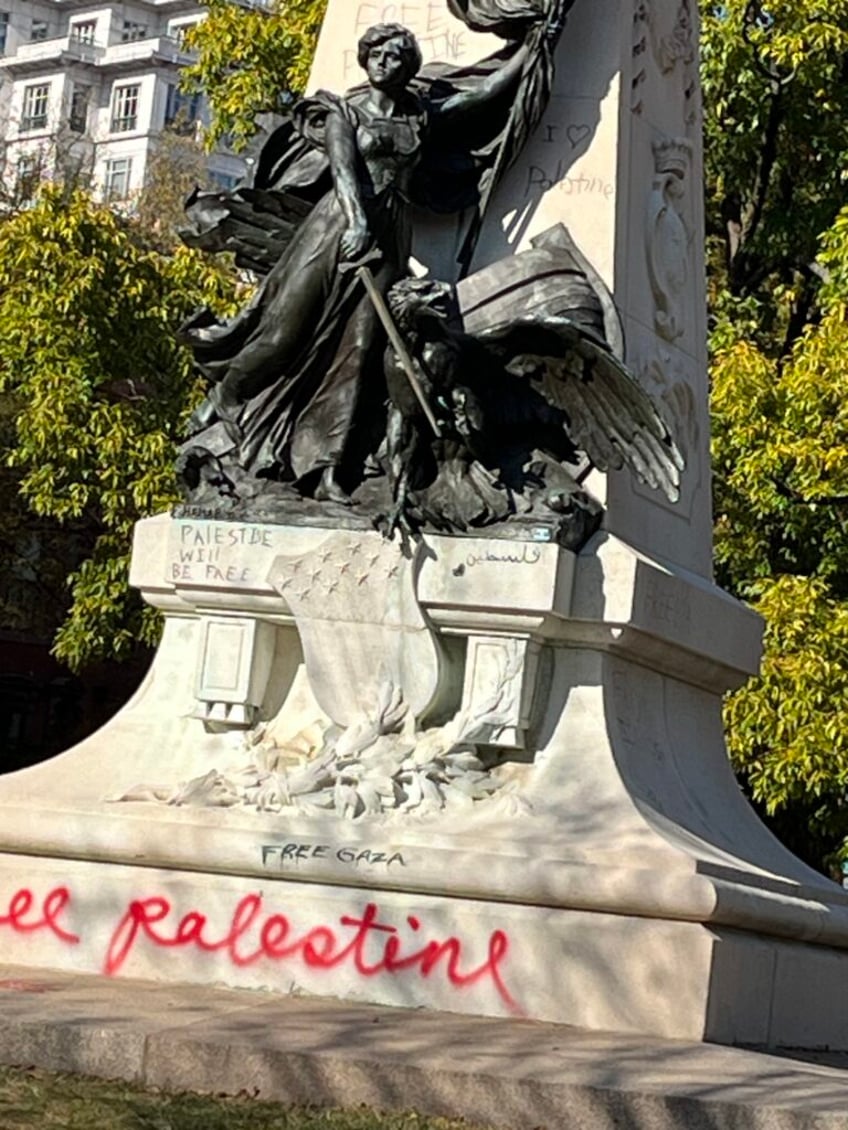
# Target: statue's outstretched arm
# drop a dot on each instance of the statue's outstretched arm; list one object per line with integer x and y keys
{"x": 544, "y": 37}
{"x": 495, "y": 84}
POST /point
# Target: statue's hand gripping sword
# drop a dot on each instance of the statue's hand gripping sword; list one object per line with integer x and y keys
{"x": 398, "y": 344}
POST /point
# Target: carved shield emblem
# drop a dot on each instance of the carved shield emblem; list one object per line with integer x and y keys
{"x": 355, "y": 605}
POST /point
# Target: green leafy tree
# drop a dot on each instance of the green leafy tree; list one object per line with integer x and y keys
{"x": 776, "y": 102}
{"x": 251, "y": 61}
{"x": 35, "y": 554}
{"x": 99, "y": 392}
{"x": 781, "y": 455}
{"x": 775, "y": 88}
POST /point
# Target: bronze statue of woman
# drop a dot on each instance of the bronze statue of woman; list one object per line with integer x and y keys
{"x": 296, "y": 384}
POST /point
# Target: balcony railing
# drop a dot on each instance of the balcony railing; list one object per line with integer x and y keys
{"x": 138, "y": 50}
{"x": 31, "y": 56}
{"x": 47, "y": 50}
{"x": 125, "y": 123}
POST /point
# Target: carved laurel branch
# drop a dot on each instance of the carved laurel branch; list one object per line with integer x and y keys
{"x": 378, "y": 765}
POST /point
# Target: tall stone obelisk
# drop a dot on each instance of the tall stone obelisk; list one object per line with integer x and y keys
{"x": 617, "y": 158}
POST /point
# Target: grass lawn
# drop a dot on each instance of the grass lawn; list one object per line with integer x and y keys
{"x": 38, "y": 1099}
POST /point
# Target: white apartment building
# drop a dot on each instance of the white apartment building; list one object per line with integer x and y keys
{"x": 93, "y": 84}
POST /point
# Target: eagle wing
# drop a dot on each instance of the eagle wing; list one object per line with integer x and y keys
{"x": 610, "y": 416}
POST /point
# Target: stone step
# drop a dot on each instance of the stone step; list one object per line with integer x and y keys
{"x": 509, "y": 1074}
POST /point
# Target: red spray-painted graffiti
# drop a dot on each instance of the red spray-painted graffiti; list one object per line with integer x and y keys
{"x": 368, "y": 945}
{"x": 21, "y": 905}
{"x": 374, "y": 947}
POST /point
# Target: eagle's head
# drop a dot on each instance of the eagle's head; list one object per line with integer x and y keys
{"x": 411, "y": 300}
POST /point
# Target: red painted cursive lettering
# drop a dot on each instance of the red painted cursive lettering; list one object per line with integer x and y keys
{"x": 23, "y": 917}
{"x": 364, "y": 942}
{"x": 374, "y": 947}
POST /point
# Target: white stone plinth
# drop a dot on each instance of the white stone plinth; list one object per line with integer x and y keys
{"x": 594, "y": 970}
{"x": 619, "y": 880}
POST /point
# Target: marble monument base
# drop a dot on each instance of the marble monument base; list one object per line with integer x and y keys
{"x": 484, "y": 776}
{"x": 623, "y": 972}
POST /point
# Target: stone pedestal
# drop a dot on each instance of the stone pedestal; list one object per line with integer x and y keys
{"x": 614, "y": 877}
{"x": 536, "y": 814}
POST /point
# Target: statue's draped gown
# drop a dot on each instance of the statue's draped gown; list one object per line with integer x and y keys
{"x": 299, "y": 356}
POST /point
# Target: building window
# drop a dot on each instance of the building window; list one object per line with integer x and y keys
{"x": 226, "y": 181}
{"x": 4, "y": 31}
{"x": 78, "y": 117}
{"x": 36, "y": 102}
{"x": 117, "y": 183}
{"x": 27, "y": 176}
{"x": 84, "y": 31}
{"x": 125, "y": 108}
{"x": 133, "y": 31}
{"x": 179, "y": 32}
{"x": 181, "y": 110}
{"x": 39, "y": 30}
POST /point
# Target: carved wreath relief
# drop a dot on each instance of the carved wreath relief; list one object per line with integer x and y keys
{"x": 666, "y": 381}
{"x": 380, "y": 764}
{"x": 675, "y": 47}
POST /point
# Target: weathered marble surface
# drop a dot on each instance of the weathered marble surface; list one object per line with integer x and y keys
{"x": 616, "y": 879}
{"x": 579, "y": 967}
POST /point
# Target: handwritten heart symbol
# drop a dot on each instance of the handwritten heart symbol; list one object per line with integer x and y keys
{"x": 576, "y": 134}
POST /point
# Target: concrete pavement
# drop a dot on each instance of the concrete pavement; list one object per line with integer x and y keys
{"x": 514, "y": 1074}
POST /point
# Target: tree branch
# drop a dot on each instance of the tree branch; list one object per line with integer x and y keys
{"x": 752, "y": 215}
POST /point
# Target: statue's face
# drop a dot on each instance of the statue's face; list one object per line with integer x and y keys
{"x": 387, "y": 66}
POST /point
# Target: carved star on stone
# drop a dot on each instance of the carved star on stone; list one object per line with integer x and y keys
{"x": 315, "y": 576}
{"x": 303, "y": 595}
{"x": 355, "y": 549}
{"x": 392, "y": 571}
{"x": 332, "y": 586}
{"x": 362, "y": 578}
{"x": 344, "y": 567}
{"x": 325, "y": 556}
